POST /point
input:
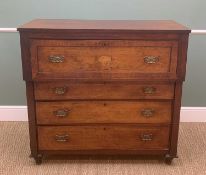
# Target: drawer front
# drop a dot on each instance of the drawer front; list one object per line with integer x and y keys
{"x": 102, "y": 137}
{"x": 103, "y": 112}
{"x": 102, "y": 59}
{"x": 66, "y": 91}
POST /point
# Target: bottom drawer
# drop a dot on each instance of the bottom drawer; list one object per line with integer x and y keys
{"x": 104, "y": 137}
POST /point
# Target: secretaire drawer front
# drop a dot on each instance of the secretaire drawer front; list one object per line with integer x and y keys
{"x": 66, "y": 91}
{"x": 102, "y": 58}
{"x": 102, "y": 137}
{"x": 103, "y": 112}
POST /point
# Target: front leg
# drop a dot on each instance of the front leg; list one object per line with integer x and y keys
{"x": 38, "y": 159}
{"x": 168, "y": 159}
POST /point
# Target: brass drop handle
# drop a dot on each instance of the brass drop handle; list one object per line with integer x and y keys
{"x": 60, "y": 90}
{"x": 61, "y": 113}
{"x": 149, "y": 90}
{"x": 61, "y": 138}
{"x": 147, "y": 112}
{"x": 151, "y": 59}
{"x": 146, "y": 137}
{"x": 56, "y": 59}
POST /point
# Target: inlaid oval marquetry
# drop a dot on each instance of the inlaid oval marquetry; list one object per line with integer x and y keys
{"x": 105, "y": 62}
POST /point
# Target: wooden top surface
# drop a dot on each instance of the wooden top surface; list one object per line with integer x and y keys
{"x": 133, "y": 25}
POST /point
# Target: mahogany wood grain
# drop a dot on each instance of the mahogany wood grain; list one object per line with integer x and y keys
{"x": 25, "y": 57}
{"x": 104, "y": 90}
{"x": 107, "y": 34}
{"x": 103, "y": 137}
{"x": 32, "y": 119}
{"x": 181, "y": 70}
{"x": 112, "y": 57}
{"x": 101, "y": 80}
{"x": 108, "y": 154}
{"x": 103, "y": 112}
{"x": 175, "y": 120}
{"x": 137, "y": 25}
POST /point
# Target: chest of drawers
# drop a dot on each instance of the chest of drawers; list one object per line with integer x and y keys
{"x": 103, "y": 87}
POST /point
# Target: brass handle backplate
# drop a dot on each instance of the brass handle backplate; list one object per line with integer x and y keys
{"x": 61, "y": 138}
{"x": 146, "y": 137}
{"x": 61, "y": 113}
{"x": 56, "y": 59}
{"x": 60, "y": 90}
{"x": 149, "y": 90}
{"x": 147, "y": 112}
{"x": 151, "y": 59}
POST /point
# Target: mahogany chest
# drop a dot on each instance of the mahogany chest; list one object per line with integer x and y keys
{"x": 100, "y": 87}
